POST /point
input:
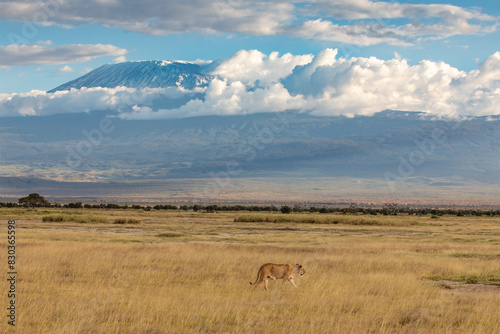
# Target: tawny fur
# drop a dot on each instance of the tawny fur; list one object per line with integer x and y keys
{"x": 278, "y": 271}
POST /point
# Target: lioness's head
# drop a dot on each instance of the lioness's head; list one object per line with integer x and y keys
{"x": 300, "y": 269}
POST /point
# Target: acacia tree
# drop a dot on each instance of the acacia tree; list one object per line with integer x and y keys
{"x": 286, "y": 209}
{"x": 34, "y": 200}
{"x": 390, "y": 208}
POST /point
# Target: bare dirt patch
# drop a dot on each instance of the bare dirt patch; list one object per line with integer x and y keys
{"x": 468, "y": 287}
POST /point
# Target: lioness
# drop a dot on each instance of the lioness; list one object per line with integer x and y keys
{"x": 278, "y": 271}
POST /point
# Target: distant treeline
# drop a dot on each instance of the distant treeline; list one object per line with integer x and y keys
{"x": 387, "y": 209}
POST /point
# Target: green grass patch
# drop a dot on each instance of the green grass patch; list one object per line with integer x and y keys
{"x": 322, "y": 219}
{"x": 92, "y": 219}
{"x": 126, "y": 221}
{"x": 475, "y": 255}
{"x": 126, "y": 240}
{"x": 462, "y": 240}
{"x": 170, "y": 235}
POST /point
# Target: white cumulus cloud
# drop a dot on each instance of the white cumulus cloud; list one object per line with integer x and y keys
{"x": 329, "y": 85}
{"x": 223, "y": 99}
{"x": 251, "y": 66}
{"x": 41, "y": 103}
{"x": 65, "y": 69}
{"x": 322, "y": 85}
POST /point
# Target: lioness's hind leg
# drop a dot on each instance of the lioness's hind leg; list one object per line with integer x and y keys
{"x": 260, "y": 279}
{"x": 258, "y": 283}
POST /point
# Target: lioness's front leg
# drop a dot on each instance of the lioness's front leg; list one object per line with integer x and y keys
{"x": 290, "y": 279}
{"x": 283, "y": 283}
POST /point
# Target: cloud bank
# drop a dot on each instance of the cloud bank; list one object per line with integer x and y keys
{"x": 322, "y": 85}
{"x": 45, "y": 53}
{"x": 371, "y": 22}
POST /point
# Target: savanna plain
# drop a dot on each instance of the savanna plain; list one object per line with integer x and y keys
{"x": 171, "y": 271}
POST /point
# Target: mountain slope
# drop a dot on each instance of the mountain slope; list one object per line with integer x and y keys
{"x": 141, "y": 74}
{"x": 333, "y": 154}
{"x": 262, "y": 144}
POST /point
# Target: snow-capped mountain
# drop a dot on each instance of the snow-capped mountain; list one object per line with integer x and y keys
{"x": 141, "y": 74}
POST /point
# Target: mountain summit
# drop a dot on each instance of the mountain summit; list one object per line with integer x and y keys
{"x": 141, "y": 74}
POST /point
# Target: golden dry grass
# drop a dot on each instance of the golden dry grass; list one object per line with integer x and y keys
{"x": 185, "y": 272}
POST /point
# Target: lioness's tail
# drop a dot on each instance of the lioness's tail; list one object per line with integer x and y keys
{"x": 258, "y": 276}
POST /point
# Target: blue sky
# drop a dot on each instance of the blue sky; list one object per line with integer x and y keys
{"x": 211, "y": 30}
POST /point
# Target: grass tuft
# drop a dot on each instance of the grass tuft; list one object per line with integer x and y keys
{"x": 53, "y": 218}
{"x": 81, "y": 219}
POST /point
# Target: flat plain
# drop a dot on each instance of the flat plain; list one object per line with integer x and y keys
{"x": 168, "y": 271}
